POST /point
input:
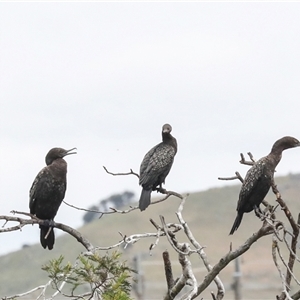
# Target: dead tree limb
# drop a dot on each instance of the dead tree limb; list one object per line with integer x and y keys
{"x": 168, "y": 270}
{"x": 295, "y": 228}
{"x": 187, "y": 272}
{"x": 41, "y": 287}
{"x": 266, "y": 229}
{"x": 200, "y": 250}
{"x": 247, "y": 162}
{"x": 237, "y": 176}
{"x": 285, "y": 287}
{"x": 34, "y": 220}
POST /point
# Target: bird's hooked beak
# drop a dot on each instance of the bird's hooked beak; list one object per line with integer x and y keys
{"x": 166, "y": 130}
{"x": 68, "y": 152}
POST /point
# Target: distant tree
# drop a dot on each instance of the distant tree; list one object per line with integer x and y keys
{"x": 89, "y": 216}
{"x": 113, "y": 201}
{"x": 119, "y": 200}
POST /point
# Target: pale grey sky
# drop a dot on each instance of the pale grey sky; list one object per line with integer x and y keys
{"x": 105, "y": 77}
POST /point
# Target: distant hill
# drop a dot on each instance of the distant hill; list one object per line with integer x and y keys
{"x": 210, "y": 215}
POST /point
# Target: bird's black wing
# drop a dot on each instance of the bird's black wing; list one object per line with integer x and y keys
{"x": 39, "y": 184}
{"x": 253, "y": 184}
{"x": 157, "y": 162}
{"x": 145, "y": 164}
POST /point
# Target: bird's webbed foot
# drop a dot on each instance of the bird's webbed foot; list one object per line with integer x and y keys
{"x": 258, "y": 212}
{"x": 160, "y": 189}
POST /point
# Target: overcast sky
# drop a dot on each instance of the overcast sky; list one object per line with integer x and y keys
{"x": 105, "y": 77}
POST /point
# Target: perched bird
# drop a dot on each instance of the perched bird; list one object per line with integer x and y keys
{"x": 156, "y": 165}
{"x": 259, "y": 178}
{"x": 48, "y": 191}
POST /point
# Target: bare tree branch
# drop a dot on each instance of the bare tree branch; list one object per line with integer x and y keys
{"x": 153, "y": 245}
{"x": 275, "y": 245}
{"x": 288, "y": 245}
{"x": 125, "y": 211}
{"x": 266, "y": 229}
{"x": 126, "y": 240}
{"x": 168, "y": 270}
{"x": 213, "y": 296}
{"x": 245, "y": 162}
{"x": 282, "y": 277}
{"x": 295, "y": 235}
{"x": 41, "y": 287}
{"x": 34, "y": 220}
{"x": 159, "y": 189}
{"x": 173, "y": 241}
{"x": 121, "y": 174}
{"x": 285, "y": 208}
{"x": 237, "y": 176}
{"x": 200, "y": 250}
{"x": 163, "y": 191}
{"x": 187, "y": 272}
{"x": 84, "y": 209}
{"x": 176, "y": 289}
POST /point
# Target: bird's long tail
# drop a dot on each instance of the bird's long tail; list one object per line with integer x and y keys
{"x": 144, "y": 199}
{"x": 236, "y": 223}
{"x": 47, "y": 240}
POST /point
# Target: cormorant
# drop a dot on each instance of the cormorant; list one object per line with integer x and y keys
{"x": 259, "y": 178}
{"x": 48, "y": 191}
{"x": 156, "y": 165}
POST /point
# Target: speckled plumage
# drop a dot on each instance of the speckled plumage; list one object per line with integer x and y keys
{"x": 48, "y": 191}
{"x": 259, "y": 178}
{"x": 156, "y": 165}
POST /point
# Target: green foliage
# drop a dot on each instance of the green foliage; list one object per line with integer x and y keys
{"x": 104, "y": 276}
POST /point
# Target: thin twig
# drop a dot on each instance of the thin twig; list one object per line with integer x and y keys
{"x": 281, "y": 275}
{"x": 237, "y": 176}
{"x": 286, "y": 265}
{"x": 121, "y": 174}
{"x": 131, "y": 208}
{"x": 247, "y": 162}
{"x": 84, "y": 209}
{"x": 40, "y": 287}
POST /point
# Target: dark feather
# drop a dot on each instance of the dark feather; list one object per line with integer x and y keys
{"x": 258, "y": 179}
{"x": 144, "y": 199}
{"x": 48, "y": 191}
{"x": 156, "y": 165}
